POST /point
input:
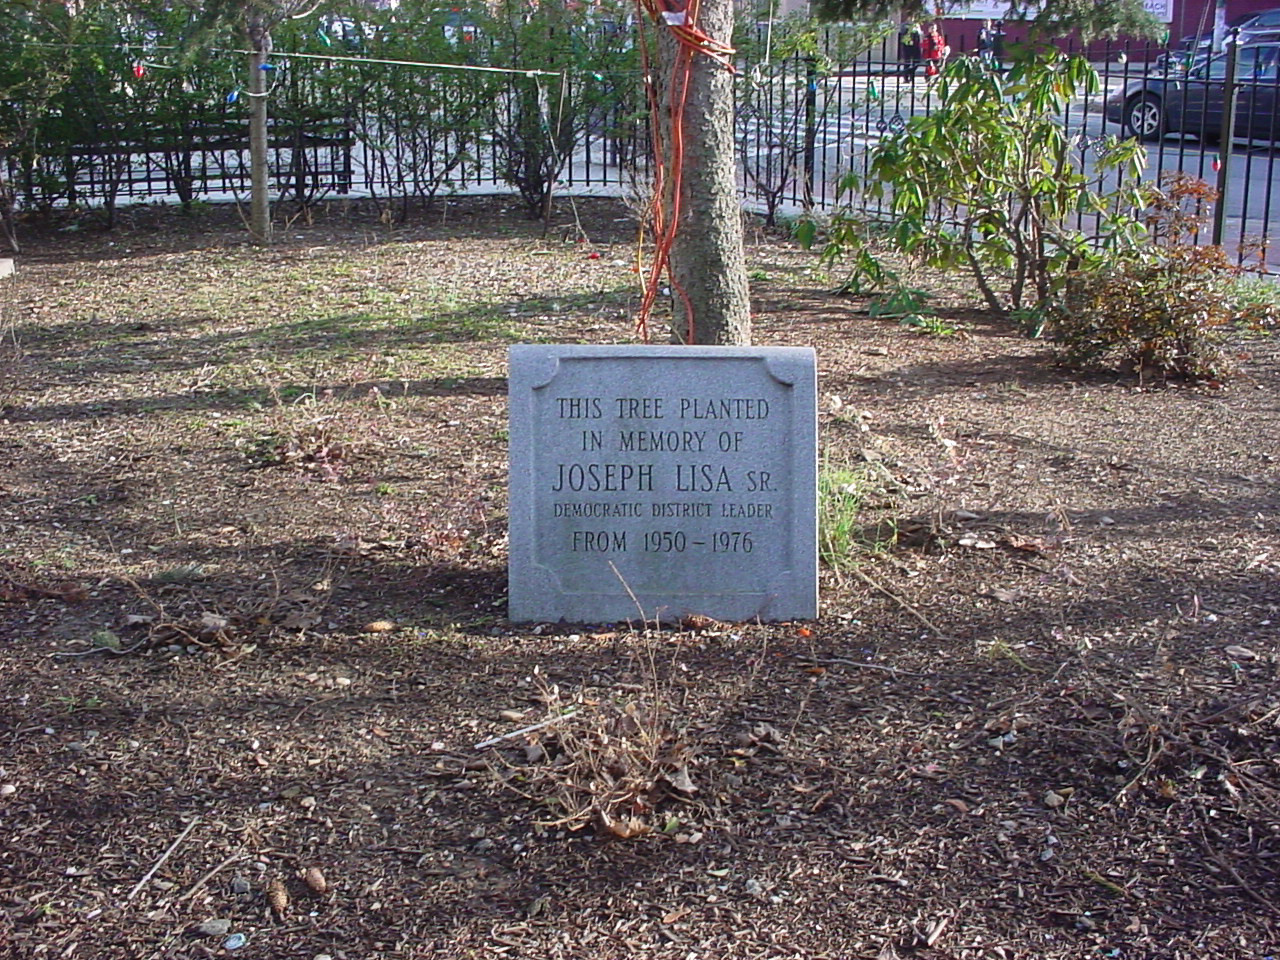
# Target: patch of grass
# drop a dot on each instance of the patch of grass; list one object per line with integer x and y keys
{"x": 618, "y": 764}
{"x": 933, "y": 325}
{"x": 184, "y": 573}
{"x": 318, "y": 434}
{"x": 63, "y": 559}
{"x": 77, "y": 704}
{"x": 999, "y": 649}
{"x": 10, "y": 347}
{"x": 844, "y": 493}
{"x": 1257, "y": 301}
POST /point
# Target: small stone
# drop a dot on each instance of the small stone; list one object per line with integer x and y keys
{"x": 240, "y": 885}
{"x": 235, "y": 941}
{"x": 7, "y": 789}
{"x": 379, "y": 626}
{"x": 214, "y": 928}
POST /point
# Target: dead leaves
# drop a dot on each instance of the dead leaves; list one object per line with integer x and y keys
{"x": 15, "y": 589}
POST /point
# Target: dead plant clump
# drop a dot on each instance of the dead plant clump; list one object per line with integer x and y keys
{"x": 319, "y": 431}
{"x": 618, "y": 763}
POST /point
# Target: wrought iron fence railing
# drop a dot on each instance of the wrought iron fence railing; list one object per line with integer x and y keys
{"x": 803, "y": 124}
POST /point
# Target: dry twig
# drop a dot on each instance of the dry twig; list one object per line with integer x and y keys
{"x": 942, "y": 635}
{"x": 163, "y": 857}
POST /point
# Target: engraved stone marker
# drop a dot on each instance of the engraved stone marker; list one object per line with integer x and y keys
{"x": 663, "y": 481}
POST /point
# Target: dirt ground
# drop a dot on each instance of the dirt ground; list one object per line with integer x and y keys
{"x": 252, "y": 629}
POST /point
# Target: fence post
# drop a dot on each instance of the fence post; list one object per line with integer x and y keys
{"x": 810, "y": 125}
{"x": 1228, "y": 135}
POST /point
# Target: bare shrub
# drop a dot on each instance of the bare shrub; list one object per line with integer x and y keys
{"x": 617, "y": 763}
{"x": 1160, "y": 314}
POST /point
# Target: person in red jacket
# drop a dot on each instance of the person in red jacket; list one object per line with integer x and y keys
{"x": 934, "y": 50}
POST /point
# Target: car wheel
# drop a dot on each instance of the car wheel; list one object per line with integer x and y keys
{"x": 1144, "y": 117}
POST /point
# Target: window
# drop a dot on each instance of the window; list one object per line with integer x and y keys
{"x": 1267, "y": 64}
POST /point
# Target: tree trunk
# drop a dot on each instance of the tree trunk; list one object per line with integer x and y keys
{"x": 8, "y": 226}
{"x": 710, "y": 299}
{"x": 259, "y": 172}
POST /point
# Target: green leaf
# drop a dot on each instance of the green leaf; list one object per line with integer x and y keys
{"x": 805, "y": 232}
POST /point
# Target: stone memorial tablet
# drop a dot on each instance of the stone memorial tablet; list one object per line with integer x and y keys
{"x": 655, "y": 482}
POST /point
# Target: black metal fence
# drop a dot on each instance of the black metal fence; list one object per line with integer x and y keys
{"x": 803, "y": 127}
{"x": 803, "y": 123}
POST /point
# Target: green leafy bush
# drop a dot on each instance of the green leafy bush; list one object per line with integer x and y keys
{"x": 991, "y": 183}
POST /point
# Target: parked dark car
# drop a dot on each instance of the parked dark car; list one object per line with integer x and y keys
{"x": 1193, "y": 102}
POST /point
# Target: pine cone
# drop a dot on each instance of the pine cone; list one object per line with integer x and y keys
{"x": 315, "y": 880}
{"x": 277, "y": 897}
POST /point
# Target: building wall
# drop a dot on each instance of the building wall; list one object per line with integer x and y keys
{"x": 1184, "y": 19}
{"x": 961, "y": 27}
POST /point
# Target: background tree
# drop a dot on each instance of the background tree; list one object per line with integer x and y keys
{"x": 542, "y": 118}
{"x": 259, "y": 19}
{"x": 436, "y": 119}
{"x": 41, "y": 45}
